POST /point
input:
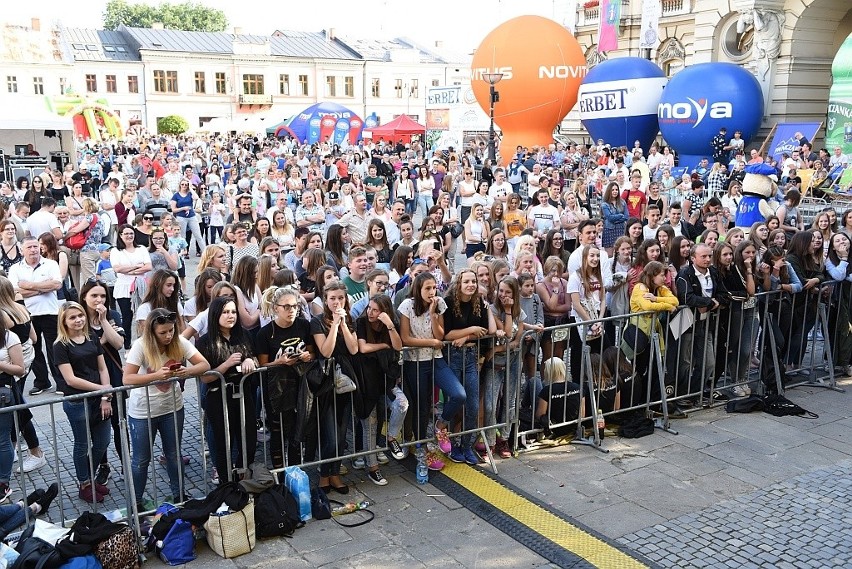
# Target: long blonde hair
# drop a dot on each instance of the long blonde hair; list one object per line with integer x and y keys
{"x": 16, "y": 312}
{"x": 208, "y": 254}
{"x": 151, "y": 348}
{"x": 62, "y": 335}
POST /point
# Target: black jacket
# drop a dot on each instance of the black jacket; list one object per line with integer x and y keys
{"x": 690, "y": 292}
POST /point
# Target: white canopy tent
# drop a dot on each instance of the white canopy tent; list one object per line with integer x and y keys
{"x": 28, "y": 121}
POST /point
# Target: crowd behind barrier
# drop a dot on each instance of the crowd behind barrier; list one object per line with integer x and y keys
{"x": 579, "y": 288}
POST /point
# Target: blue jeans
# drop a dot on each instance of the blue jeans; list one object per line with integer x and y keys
{"x": 170, "y": 427}
{"x": 426, "y": 201}
{"x": 96, "y": 436}
{"x": 7, "y": 452}
{"x": 495, "y": 378}
{"x": 465, "y": 365}
{"x": 417, "y": 381}
{"x": 12, "y": 516}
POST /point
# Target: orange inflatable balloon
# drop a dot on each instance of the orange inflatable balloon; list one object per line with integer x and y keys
{"x": 542, "y": 65}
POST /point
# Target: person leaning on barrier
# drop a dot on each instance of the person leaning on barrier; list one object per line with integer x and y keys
{"x": 838, "y": 268}
{"x": 334, "y": 336}
{"x": 106, "y": 327}
{"x": 806, "y": 259}
{"x": 158, "y": 355}
{"x": 80, "y": 359}
{"x": 650, "y": 294}
{"x": 700, "y": 289}
{"x": 228, "y": 350}
{"x": 282, "y": 345}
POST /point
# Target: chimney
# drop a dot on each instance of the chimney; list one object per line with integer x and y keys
{"x": 329, "y": 34}
{"x": 439, "y": 43}
{"x": 238, "y": 31}
{"x": 35, "y": 24}
{"x": 157, "y": 25}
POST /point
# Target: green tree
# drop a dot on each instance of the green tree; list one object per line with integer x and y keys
{"x": 187, "y": 16}
{"x": 172, "y": 124}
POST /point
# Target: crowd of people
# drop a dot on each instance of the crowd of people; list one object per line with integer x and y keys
{"x": 317, "y": 260}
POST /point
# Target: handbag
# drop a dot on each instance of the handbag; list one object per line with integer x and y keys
{"x": 231, "y": 534}
{"x": 119, "y": 551}
{"x": 634, "y": 342}
{"x": 76, "y": 241}
{"x": 342, "y": 382}
{"x": 320, "y": 506}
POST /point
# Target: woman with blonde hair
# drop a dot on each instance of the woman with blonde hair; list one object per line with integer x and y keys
{"x": 527, "y": 243}
{"x": 18, "y": 320}
{"x": 283, "y": 230}
{"x": 80, "y": 360}
{"x": 215, "y": 256}
{"x": 161, "y": 353}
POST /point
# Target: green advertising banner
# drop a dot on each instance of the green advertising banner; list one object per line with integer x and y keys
{"x": 838, "y": 130}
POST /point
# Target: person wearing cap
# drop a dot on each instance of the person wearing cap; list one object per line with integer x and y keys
{"x": 335, "y": 210}
{"x": 103, "y": 270}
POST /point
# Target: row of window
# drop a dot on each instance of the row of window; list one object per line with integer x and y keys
{"x": 253, "y": 84}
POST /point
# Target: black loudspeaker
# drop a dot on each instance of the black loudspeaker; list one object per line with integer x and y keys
{"x": 50, "y": 134}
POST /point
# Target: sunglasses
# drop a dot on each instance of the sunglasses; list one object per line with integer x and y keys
{"x": 148, "y": 218}
{"x": 171, "y": 317}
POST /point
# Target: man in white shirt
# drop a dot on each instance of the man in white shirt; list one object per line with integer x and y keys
{"x": 500, "y": 189}
{"x": 392, "y": 225}
{"x": 356, "y": 220}
{"x": 37, "y": 279}
{"x": 44, "y": 220}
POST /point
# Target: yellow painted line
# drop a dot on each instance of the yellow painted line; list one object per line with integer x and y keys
{"x": 594, "y": 550}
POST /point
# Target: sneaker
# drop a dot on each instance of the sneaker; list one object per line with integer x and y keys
{"x": 471, "y": 457}
{"x": 34, "y": 496}
{"x": 90, "y": 494}
{"x": 33, "y": 462}
{"x": 47, "y": 498}
{"x": 359, "y": 463}
{"x": 434, "y": 462}
{"x": 443, "y": 440}
{"x": 376, "y": 478}
{"x": 101, "y": 477}
{"x": 741, "y": 391}
{"x": 457, "y": 455}
{"x": 214, "y": 476}
{"x": 396, "y": 450}
{"x": 38, "y": 390}
{"x": 382, "y": 458}
{"x": 5, "y": 492}
{"x": 503, "y": 448}
{"x": 101, "y": 489}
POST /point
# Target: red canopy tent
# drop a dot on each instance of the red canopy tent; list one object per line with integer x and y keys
{"x": 402, "y": 127}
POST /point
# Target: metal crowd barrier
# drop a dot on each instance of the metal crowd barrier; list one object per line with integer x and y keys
{"x": 811, "y": 331}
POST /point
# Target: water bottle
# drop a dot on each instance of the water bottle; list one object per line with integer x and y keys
{"x": 422, "y": 469}
{"x": 601, "y": 424}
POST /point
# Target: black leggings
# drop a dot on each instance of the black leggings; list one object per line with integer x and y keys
{"x": 236, "y": 429}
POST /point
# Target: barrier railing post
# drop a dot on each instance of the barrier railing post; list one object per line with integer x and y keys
{"x": 664, "y": 422}
{"x": 586, "y": 377}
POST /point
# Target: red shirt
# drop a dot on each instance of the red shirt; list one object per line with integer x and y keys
{"x": 635, "y": 199}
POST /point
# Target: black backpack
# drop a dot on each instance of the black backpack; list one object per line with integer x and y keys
{"x": 35, "y": 553}
{"x": 276, "y": 512}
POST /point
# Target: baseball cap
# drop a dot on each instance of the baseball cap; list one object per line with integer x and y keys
{"x": 104, "y": 247}
{"x": 333, "y": 196}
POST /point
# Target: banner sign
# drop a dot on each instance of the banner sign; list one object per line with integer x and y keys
{"x": 649, "y": 36}
{"x": 610, "y": 17}
{"x": 785, "y": 137}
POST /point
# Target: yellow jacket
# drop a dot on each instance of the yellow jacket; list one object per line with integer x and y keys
{"x": 664, "y": 303}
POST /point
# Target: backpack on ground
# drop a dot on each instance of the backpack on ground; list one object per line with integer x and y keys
{"x": 35, "y": 553}
{"x": 276, "y": 512}
{"x": 780, "y": 406}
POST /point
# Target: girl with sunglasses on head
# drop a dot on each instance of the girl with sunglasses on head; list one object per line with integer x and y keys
{"x": 161, "y": 353}
{"x": 283, "y": 344}
{"x": 228, "y": 350}
{"x": 80, "y": 359}
{"x": 106, "y": 327}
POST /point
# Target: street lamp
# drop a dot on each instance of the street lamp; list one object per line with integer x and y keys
{"x": 493, "y": 79}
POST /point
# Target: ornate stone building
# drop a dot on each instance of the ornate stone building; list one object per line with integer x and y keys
{"x": 789, "y": 45}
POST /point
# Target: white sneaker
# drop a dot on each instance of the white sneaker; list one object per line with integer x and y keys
{"x": 741, "y": 391}
{"x": 33, "y": 462}
{"x": 359, "y": 463}
{"x": 382, "y": 458}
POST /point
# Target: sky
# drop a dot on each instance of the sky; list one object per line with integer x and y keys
{"x": 460, "y": 25}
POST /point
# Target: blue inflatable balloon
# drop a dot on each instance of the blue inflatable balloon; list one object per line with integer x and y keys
{"x": 618, "y": 101}
{"x": 701, "y": 99}
{"x": 307, "y": 125}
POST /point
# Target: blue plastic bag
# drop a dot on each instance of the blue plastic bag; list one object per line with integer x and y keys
{"x": 82, "y": 562}
{"x": 299, "y": 485}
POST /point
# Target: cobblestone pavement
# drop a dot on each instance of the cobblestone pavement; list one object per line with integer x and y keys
{"x": 803, "y": 522}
